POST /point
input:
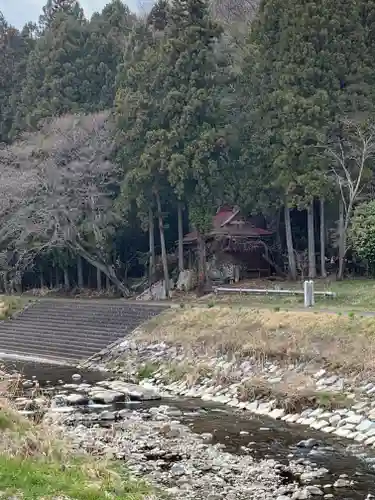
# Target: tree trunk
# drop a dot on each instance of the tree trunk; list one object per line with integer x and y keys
{"x": 151, "y": 234}
{"x": 322, "y": 241}
{"x": 98, "y": 279}
{"x": 107, "y": 283}
{"x": 57, "y": 273}
{"x": 107, "y": 270}
{"x": 51, "y": 277}
{"x": 41, "y": 277}
{"x": 289, "y": 244}
{"x": 342, "y": 242}
{"x": 311, "y": 240}
{"x": 180, "y": 239}
{"x": 201, "y": 262}
{"x": 66, "y": 279}
{"x": 163, "y": 247}
{"x": 79, "y": 271}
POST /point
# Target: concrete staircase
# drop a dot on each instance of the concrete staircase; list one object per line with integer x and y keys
{"x": 71, "y": 330}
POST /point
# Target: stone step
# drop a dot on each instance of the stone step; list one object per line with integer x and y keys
{"x": 54, "y": 336}
{"x": 71, "y": 330}
{"x": 69, "y": 326}
{"x": 60, "y": 343}
{"x": 56, "y": 349}
{"x": 77, "y": 318}
{"x": 116, "y": 314}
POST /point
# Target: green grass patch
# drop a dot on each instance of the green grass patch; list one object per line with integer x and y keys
{"x": 35, "y": 463}
{"x": 147, "y": 370}
{"x": 36, "y": 478}
{"x": 11, "y": 421}
{"x": 332, "y": 400}
{"x": 5, "y": 421}
{"x": 351, "y": 295}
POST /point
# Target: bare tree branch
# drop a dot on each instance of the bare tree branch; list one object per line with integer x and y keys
{"x": 351, "y": 156}
{"x": 57, "y": 191}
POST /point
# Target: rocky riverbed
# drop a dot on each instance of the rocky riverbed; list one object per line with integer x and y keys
{"x": 302, "y": 393}
{"x": 194, "y": 450}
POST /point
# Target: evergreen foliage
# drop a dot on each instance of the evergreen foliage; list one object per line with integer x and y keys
{"x": 201, "y": 115}
{"x": 362, "y": 233}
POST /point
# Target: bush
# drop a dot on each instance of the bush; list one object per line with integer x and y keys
{"x": 362, "y": 233}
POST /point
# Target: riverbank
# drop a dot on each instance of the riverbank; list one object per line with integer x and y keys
{"x": 307, "y": 368}
{"x": 38, "y": 461}
{"x": 183, "y": 448}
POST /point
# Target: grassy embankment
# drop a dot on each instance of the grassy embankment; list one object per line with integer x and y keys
{"x": 337, "y": 342}
{"x": 36, "y": 464}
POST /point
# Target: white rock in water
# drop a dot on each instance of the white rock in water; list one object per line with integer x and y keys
{"x": 341, "y": 483}
{"x": 76, "y": 377}
{"x": 308, "y": 443}
{"x": 106, "y": 396}
{"x": 76, "y": 399}
{"x": 309, "y": 476}
{"x": 206, "y": 437}
{"x": 107, "y": 415}
{"x": 314, "y": 490}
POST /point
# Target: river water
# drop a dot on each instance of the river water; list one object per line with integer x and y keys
{"x": 243, "y": 432}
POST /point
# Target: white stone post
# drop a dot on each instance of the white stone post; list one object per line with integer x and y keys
{"x": 306, "y": 293}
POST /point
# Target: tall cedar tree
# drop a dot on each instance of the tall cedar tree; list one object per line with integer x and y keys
{"x": 192, "y": 128}
{"x": 192, "y": 80}
{"x": 55, "y": 79}
{"x": 140, "y": 156}
{"x": 104, "y": 48}
{"x": 14, "y": 49}
{"x": 309, "y": 71}
{"x": 54, "y": 8}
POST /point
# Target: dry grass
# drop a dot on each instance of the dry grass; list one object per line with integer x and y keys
{"x": 338, "y": 341}
{"x": 12, "y": 304}
{"x": 291, "y": 398}
{"x": 22, "y": 438}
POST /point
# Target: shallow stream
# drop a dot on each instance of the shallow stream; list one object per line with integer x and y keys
{"x": 243, "y": 432}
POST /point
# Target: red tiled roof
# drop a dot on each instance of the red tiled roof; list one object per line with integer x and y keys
{"x": 219, "y": 228}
